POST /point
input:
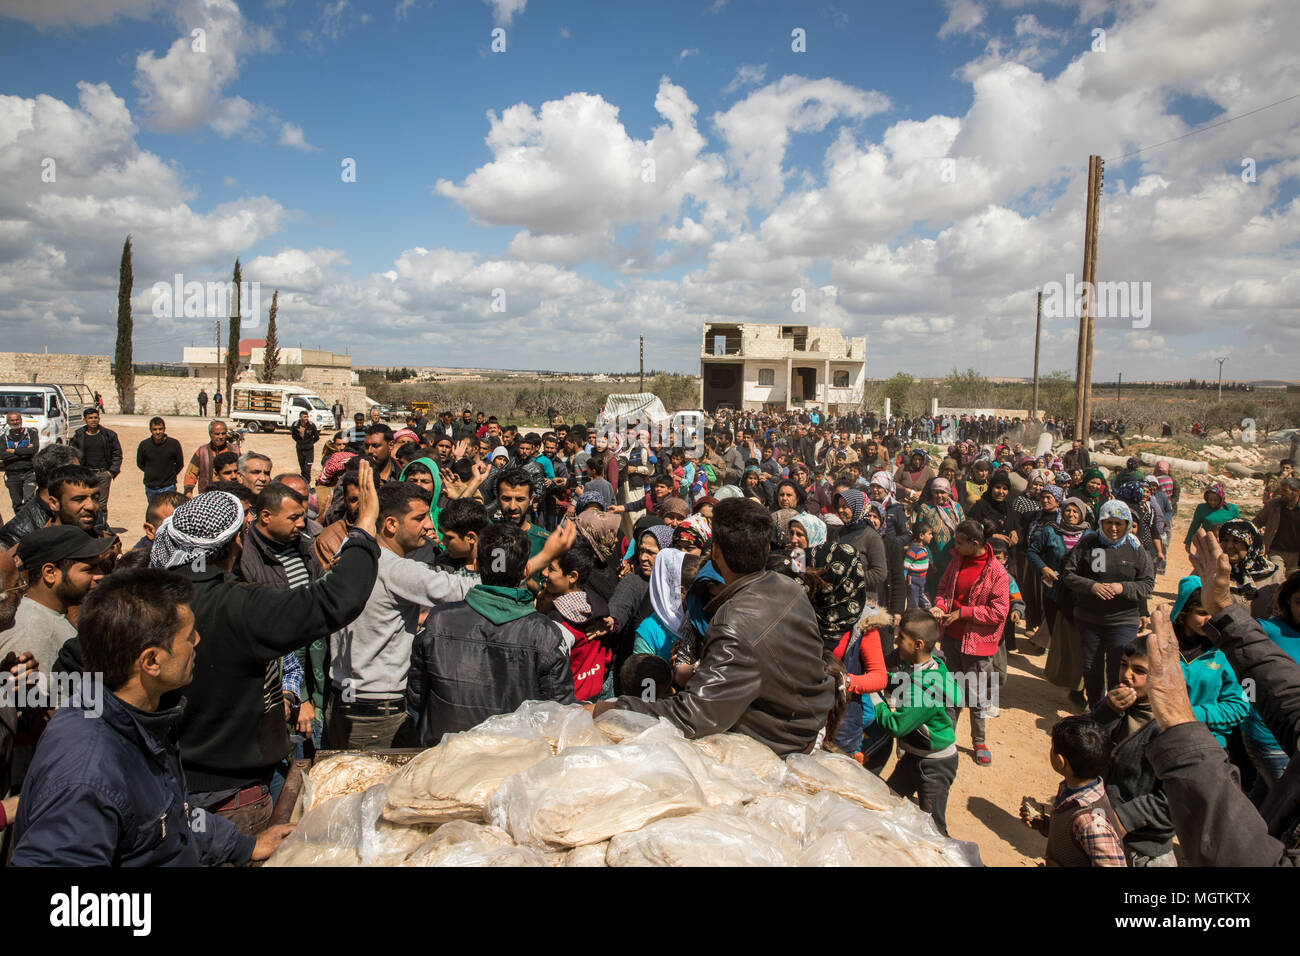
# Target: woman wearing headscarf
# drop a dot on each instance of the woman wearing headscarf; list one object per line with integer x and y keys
{"x": 1146, "y": 522}
{"x": 601, "y": 529}
{"x": 942, "y": 513}
{"x": 1255, "y": 578}
{"x": 1167, "y": 483}
{"x": 754, "y": 485}
{"x": 1095, "y": 490}
{"x": 838, "y": 588}
{"x": 1050, "y": 543}
{"x": 1111, "y": 577}
{"x": 910, "y": 479}
{"x": 693, "y": 536}
{"x": 809, "y": 533}
{"x": 657, "y": 633}
{"x": 976, "y": 482}
{"x": 995, "y": 507}
{"x": 881, "y": 490}
{"x": 630, "y": 604}
{"x": 857, "y": 533}
{"x": 1210, "y": 513}
{"x": 893, "y": 594}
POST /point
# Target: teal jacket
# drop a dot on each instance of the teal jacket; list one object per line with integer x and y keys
{"x": 1217, "y": 699}
{"x": 1288, "y": 638}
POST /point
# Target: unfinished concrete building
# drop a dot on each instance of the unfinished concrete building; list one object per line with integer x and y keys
{"x": 775, "y": 367}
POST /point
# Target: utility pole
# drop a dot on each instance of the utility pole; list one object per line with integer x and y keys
{"x": 1038, "y": 334}
{"x": 642, "y": 338}
{"x": 1221, "y": 361}
{"x": 1118, "y": 383}
{"x": 1083, "y": 384}
{"x": 218, "y": 324}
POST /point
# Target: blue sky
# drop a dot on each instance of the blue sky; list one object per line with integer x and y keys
{"x": 236, "y": 150}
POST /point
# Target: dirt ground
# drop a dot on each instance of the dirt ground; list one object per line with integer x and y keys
{"x": 983, "y": 806}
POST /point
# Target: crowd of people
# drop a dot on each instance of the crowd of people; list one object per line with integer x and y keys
{"x": 808, "y": 580}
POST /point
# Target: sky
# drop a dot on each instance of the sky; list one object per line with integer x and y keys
{"x": 530, "y": 184}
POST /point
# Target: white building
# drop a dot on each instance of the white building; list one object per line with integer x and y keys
{"x": 318, "y": 365}
{"x": 760, "y": 366}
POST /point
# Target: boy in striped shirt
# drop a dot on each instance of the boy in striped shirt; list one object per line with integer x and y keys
{"x": 916, "y": 565}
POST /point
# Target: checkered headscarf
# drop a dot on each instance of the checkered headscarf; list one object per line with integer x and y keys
{"x": 200, "y": 526}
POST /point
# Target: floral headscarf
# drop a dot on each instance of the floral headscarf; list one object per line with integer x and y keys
{"x": 601, "y": 529}
{"x": 839, "y": 602}
{"x": 1217, "y": 488}
{"x": 693, "y": 532}
{"x": 882, "y": 479}
{"x": 1117, "y": 509}
{"x": 1255, "y": 566}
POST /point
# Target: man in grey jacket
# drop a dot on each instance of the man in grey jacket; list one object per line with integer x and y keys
{"x": 1216, "y": 823}
{"x": 760, "y": 671}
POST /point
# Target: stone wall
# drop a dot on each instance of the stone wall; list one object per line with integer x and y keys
{"x": 155, "y": 394}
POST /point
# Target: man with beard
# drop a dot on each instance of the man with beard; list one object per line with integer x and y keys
{"x": 514, "y": 501}
{"x": 465, "y": 428}
{"x": 254, "y": 471}
{"x": 72, "y": 497}
{"x": 35, "y": 513}
{"x": 95, "y": 787}
{"x": 98, "y": 448}
{"x": 198, "y": 475}
{"x": 62, "y": 566}
{"x": 379, "y": 450}
{"x": 733, "y": 459}
{"x": 540, "y": 471}
{"x": 345, "y": 504}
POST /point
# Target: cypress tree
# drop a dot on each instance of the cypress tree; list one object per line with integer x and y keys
{"x": 232, "y": 350}
{"x": 124, "y": 371}
{"x": 271, "y": 354}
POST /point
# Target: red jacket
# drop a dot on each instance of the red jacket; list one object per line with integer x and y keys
{"x": 986, "y": 609}
{"x": 590, "y": 659}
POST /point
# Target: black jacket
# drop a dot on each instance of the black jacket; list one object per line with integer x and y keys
{"x": 760, "y": 671}
{"x": 465, "y": 669}
{"x": 111, "y": 444}
{"x": 228, "y": 738}
{"x": 1216, "y": 823}
{"x": 866, "y": 541}
{"x": 111, "y": 792}
{"x": 1135, "y": 792}
{"x": 32, "y": 516}
{"x": 304, "y": 436}
{"x": 1123, "y": 564}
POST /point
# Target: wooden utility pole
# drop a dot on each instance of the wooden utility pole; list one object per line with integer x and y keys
{"x": 1038, "y": 333}
{"x": 642, "y": 338}
{"x": 1083, "y": 384}
{"x": 1119, "y": 382}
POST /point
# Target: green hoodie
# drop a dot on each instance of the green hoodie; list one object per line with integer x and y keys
{"x": 434, "y": 511}
{"x": 916, "y": 712}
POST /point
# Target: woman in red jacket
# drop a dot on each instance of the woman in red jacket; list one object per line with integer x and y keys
{"x": 973, "y": 602}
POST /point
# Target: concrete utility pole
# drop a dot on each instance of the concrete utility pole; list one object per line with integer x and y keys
{"x": 1083, "y": 369}
{"x": 218, "y": 324}
{"x": 1221, "y": 361}
{"x": 642, "y": 338}
{"x": 1038, "y": 334}
{"x": 1118, "y": 382}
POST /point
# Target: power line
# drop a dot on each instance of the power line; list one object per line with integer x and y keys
{"x": 1203, "y": 129}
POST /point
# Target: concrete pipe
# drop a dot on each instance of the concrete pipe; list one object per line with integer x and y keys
{"x": 1182, "y": 464}
{"x": 1044, "y": 444}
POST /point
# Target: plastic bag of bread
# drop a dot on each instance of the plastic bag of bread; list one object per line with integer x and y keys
{"x": 327, "y": 835}
{"x": 723, "y": 786}
{"x": 791, "y": 814}
{"x": 454, "y": 834}
{"x": 491, "y": 854}
{"x": 591, "y": 855}
{"x": 341, "y": 774}
{"x": 743, "y": 751}
{"x": 384, "y": 843}
{"x": 562, "y": 726}
{"x": 619, "y": 725}
{"x": 587, "y": 794}
{"x": 836, "y": 773}
{"x": 716, "y": 837}
{"x": 453, "y": 780}
{"x": 845, "y": 834}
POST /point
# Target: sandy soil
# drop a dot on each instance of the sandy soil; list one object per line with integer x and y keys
{"x": 984, "y": 804}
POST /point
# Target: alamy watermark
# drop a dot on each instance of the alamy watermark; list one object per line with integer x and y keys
{"x": 211, "y": 300}
{"x": 42, "y": 691}
{"x": 1111, "y": 300}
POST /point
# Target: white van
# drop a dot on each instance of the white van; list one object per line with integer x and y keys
{"x": 258, "y": 407}
{"x": 53, "y": 410}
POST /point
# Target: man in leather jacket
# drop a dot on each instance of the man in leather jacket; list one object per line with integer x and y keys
{"x": 760, "y": 671}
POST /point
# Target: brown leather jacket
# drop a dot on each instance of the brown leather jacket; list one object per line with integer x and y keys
{"x": 760, "y": 671}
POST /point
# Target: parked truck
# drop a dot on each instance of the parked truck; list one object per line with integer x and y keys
{"x": 258, "y": 407}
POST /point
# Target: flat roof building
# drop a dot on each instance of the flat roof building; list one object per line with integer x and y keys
{"x": 759, "y": 366}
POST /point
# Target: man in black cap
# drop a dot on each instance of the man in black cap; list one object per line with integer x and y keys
{"x": 62, "y": 565}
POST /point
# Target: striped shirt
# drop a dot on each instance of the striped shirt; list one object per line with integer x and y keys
{"x": 916, "y": 560}
{"x": 285, "y": 675}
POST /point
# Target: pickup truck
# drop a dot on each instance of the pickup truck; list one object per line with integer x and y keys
{"x": 258, "y": 407}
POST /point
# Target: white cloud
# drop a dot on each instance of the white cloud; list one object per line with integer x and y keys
{"x": 693, "y": 51}
{"x": 402, "y": 9}
{"x": 291, "y": 135}
{"x": 503, "y": 11}
{"x": 963, "y": 16}
{"x": 746, "y": 76}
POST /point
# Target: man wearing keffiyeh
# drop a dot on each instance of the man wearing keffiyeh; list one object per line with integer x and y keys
{"x": 230, "y": 739}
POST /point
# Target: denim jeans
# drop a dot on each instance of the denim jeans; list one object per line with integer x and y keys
{"x": 1101, "y": 646}
{"x": 150, "y": 493}
{"x": 1271, "y": 762}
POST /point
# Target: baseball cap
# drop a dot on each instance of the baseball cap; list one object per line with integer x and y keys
{"x": 60, "y": 543}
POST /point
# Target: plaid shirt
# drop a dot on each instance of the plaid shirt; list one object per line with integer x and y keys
{"x": 1092, "y": 831}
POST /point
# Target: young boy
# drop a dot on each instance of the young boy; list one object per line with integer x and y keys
{"x": 156, "y": 512}
{"x": 916, "y": 564}
{"x": 1008, "y": 643}
{"x": 915, "y": 714}
{"x": 462, "y": 521}
{"x": 582, "y": 615}
{"x": 1080, "y": 825}
{"x": 647, "y": 676}
{"x": 1134, "y": 791}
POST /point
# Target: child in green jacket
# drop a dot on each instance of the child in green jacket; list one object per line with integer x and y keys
{"x": 1218, "y": 701}
{"x": 915, "y": 714}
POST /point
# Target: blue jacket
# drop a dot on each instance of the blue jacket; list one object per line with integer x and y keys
{"x": 107, "y": 792}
